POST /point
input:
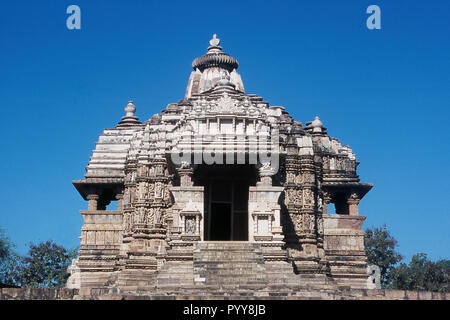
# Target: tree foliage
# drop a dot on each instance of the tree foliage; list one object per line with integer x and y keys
{"x": 45, "y": 265}
{"x": 422, "y": 274}
{"x": 4, "y": 245}
{"x": 9, "y": 262}
{"x": 380, "y": 250}
{"x": 419, "y": 274}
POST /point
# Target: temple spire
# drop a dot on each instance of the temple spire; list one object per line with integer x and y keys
{"x": 129, "y": 119}
{"x": 209, "y": 70}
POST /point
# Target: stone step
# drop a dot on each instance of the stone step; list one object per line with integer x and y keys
{"x": 175, "y": 274}
{"x": 229, "y": 265}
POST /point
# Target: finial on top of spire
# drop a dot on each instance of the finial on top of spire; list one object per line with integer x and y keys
{"x": 129, "y": 119}
{"x": 317, "y": 125}
{"x": 214, "y": 42}
{"x": 214, "y": 45}
{"x": 130, "y": 109}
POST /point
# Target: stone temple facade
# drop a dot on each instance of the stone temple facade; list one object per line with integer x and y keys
{"x": 220, "y": 191}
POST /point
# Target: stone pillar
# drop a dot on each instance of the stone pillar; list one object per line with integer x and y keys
{"x": 265, "y": 173}
{"x": 146, "y": 248}
{"x": 92, "y": 202}
{"x": 353, "y": 202}
{"x": 119, "y": 198}
{"x": 292, "y": 196}
{"x": 326, "y": 201}
{"x": 186, "y": 173}
{"x": 307, "y": 232}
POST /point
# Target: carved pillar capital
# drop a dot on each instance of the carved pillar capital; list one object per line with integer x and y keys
{"x": 92, "y": 197}
{"x": 266, "y": 171}
{"x": 353, "y": 202}
{"x": 326, "y": 196}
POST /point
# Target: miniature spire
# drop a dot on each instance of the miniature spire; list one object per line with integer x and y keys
{"x": 129, "y": 119}
{"x": 317, "y": 125}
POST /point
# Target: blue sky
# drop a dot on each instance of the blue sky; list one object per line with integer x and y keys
{"x": 384, "y": 92}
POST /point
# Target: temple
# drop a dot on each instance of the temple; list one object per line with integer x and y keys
{"x": 220, "y": 192}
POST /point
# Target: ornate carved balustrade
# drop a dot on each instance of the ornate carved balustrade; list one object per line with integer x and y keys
{"x": 187, "y": 213}
{"x": 190, "y": 223}
{"x": 264, "y": 213}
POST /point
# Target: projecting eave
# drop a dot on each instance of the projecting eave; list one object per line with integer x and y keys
{"x": 92, "y": 185}
{"x": 359, "y": 188}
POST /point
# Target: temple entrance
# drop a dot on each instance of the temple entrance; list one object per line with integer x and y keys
{"x": 226, "y": 200}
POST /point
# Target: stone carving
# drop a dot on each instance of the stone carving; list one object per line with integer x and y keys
{"x": 291, "y": 178}
{"x": 308, "y": 198}
{"x": 127, "y": 221}
{"x": 140, "y": 215}
{"x": 150, "y": 191}
{"x": 311, "y": 222}
{"x": 225, "y": 105}
{"x": 159, "y": 191}
{"x": 143, "y": 190}
{"x": 185, "y": 165}
{"x": 298, "y": 223}
{"x": 354, "y": 197}
{"x": 320, "y": 230}
{"x": 190, "y": 225}
{"x": 319, "y": 204}
{"x": 158, "y": 215}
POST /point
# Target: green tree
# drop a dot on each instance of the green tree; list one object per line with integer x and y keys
{"x": 380, "y": 250}
{"x": 422, "y": 274}
{"x": 5, "y": 245}
{"x": 9, "y": 262}
{"x": 46, "y": 265}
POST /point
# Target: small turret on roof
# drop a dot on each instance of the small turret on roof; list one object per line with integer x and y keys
{"x": 129, "y": 119}
{"x": 316, "y": 127}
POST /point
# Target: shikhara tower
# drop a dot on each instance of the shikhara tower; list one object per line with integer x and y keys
{"x": 220, "y": 191}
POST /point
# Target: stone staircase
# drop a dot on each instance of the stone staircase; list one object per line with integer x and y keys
{"x": 226, "y": 265}
{"x": 229, "y": 268}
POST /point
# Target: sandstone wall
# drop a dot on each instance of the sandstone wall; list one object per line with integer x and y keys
{"x": 111, "y": 294}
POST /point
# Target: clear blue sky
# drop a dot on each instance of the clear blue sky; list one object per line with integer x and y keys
{"x": 384, "y": 92}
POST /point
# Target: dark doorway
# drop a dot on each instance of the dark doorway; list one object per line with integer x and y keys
{"x": 221, "y": 216}
{"x": 226, "y": 200}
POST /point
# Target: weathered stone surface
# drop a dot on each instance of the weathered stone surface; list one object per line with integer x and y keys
{"x": 111, "y": 294}
{"x": 38, "y": 294}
